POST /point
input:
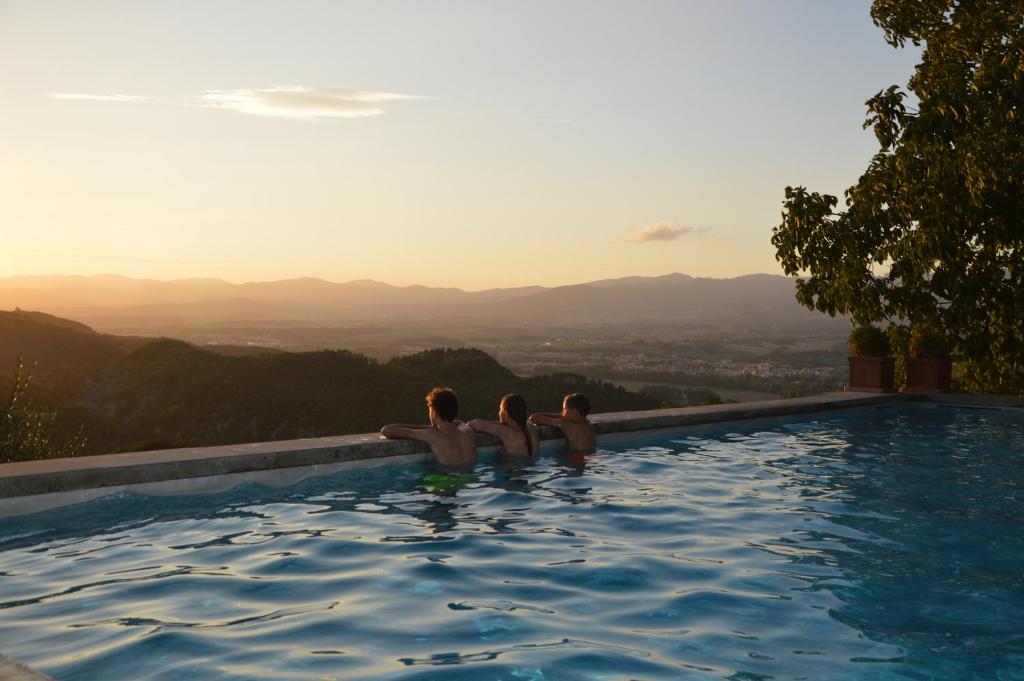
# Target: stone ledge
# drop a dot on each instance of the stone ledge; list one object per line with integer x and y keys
{"x": 12, "y": 670}
{"x": 49, "y": 476}
{"x": 629, "y": 421}
{"x": 977, "y": 401}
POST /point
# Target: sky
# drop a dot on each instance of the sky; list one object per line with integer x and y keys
{"x": 445, "y": 143}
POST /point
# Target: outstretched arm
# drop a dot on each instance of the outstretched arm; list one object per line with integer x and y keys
{"x": 406, "y": 431}
{"x": 546, "y": 420}
{"x": 485, "y": 426}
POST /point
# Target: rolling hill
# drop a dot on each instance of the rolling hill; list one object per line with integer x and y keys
{"x": 130, "y": 393}
{"x": 55, "y": 343}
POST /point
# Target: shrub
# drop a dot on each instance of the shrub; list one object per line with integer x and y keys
{"x": 899, "y": 346}
{"x": 25, "y": 430}
{"x": 928, "y": 342}
{"x": 868, "y": 341}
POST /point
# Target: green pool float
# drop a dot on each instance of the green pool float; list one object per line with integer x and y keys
{"x": 440, "y": 482}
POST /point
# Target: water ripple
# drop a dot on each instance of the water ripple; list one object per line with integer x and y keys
{"x": 881, "y": 544}
{"x": 462, "y": 658}
{"x": 162, "y": 624}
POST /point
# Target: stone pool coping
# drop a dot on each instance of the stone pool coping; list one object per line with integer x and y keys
{"x": 12, "y": 670}
{"x": 34, "y": 485}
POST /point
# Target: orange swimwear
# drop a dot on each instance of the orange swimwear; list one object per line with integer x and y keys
{"x": 578, "y": 458}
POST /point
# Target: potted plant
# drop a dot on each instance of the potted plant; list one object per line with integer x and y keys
{"x": 872, "y": 366}
{"x": 929, "y": 367}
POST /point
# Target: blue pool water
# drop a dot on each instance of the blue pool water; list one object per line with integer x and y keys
{"x": 881, "y": 544}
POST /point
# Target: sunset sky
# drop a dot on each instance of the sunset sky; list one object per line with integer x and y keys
{"x": 470, "y": 144}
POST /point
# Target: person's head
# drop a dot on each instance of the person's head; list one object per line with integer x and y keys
{"x": 577, "y": 402}
{"x": 443, "y": 405}
{"x": 512, "y": 412}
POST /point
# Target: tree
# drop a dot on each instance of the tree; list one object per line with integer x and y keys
{"x": 25, "y": 430}
{"x": 933, "y": 231}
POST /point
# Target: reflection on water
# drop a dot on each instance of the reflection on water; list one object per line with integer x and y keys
{"x": 870, "y": 545}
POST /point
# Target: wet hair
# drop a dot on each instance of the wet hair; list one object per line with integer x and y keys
{"x": 444, "y": 403}
{"x": 515, "y": 406}
{"x": 579, "y": 402}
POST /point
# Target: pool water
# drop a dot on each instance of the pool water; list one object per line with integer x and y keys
{"x": 871, "y": 544}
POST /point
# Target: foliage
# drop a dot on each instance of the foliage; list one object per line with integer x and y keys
{"x": 26, "y": 430}
{"x": 928, "y": 341}
{"x": 169, "y": 393}
{"x": 674, "y": 396}
{"x": 918, "y": 341}
{"x": 899, "y": 342}
{"x": 711, "y": 398}
{"x": 933, "y": 231}
{"x": 668, "y": 393}
{"x": 868, "y": 341}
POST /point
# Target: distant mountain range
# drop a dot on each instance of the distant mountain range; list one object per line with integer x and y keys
{"x": 757, "y": 300}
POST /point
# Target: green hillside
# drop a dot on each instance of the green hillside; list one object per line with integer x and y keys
{"x": 55, "y": 343}
{"x": 160, "y": 393}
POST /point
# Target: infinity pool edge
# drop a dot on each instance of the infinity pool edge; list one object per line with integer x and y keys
{"x": 32, "y": 486}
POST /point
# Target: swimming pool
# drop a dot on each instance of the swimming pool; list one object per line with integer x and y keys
{"x": 868, "y": 544}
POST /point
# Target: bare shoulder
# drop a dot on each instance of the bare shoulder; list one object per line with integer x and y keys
{"x": 580, "y": 434}
{"x": 467, "y": 443}
{"x": 431, "y": 436}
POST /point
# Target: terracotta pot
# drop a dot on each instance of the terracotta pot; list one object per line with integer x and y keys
{"x": 929, "y": 374}
{"x": 872, "y": 374}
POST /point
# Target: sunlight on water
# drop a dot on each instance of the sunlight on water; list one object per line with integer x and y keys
{"x": 880, "y": 544}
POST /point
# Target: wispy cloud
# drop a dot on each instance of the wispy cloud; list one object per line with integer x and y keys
{"x": 99, "y": 98}
{"x": 302, "y": 102}
{"x": 290, "y": 101}
{"x": 660, "y": 231}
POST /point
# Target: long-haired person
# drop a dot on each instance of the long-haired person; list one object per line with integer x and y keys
{"x": 513, "y": 427}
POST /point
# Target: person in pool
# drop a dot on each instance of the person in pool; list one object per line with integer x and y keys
{"x": 451, "y": 441}
{"x": 578, "y": 431}
{"x": 513, "y": 428}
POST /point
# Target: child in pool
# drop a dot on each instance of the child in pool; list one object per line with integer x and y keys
{"x": 451, "y": 441}
{"x": 578, "y": 431}
{"x": 513, "y": 428}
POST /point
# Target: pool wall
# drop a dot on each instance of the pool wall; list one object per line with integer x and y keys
{"x": 31, "y": 486}
{"x": 12, "y": 670}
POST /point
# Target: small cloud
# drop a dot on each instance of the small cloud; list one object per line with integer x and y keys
{"x": 661, "y": 231}
{"x": 99, "y": 98}
{"x": 301, "y": 102}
